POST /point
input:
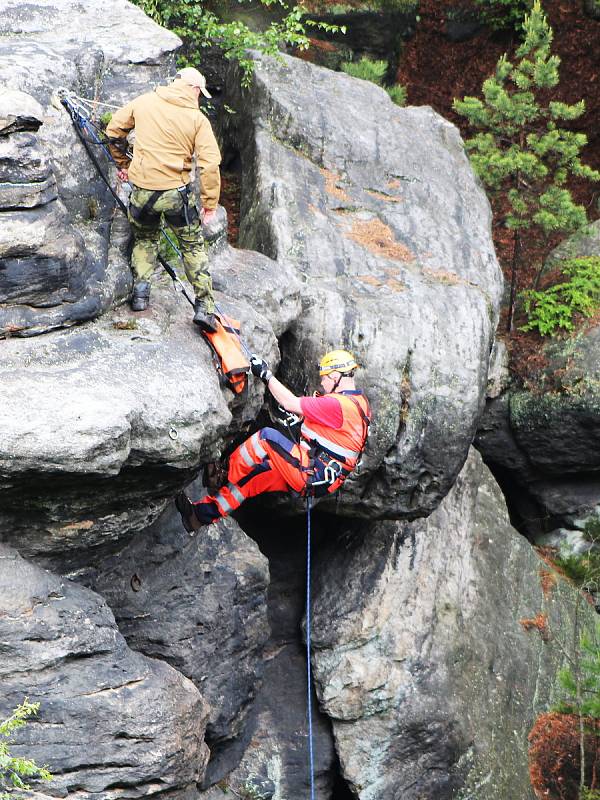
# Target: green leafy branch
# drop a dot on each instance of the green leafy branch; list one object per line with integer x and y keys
{"x": 500, "y": 14}
{"x": 13, "y": 770}
{"x": 518, "y": 150}
{"x": 583, "y": 697}
{"x": 200, "y": 27}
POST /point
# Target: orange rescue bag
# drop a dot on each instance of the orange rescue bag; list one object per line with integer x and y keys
{"x": 230, "y": 362}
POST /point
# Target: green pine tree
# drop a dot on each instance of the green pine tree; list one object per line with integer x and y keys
{"x": 520, "y": 151}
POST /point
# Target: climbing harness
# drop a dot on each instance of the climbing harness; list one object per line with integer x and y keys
{"x": 311, "y": 758}
{"x": 226, "y": 343}
{"x": 336, "y": 462}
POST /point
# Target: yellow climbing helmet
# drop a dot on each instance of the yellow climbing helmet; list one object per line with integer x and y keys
{"x": 337, "y": 361}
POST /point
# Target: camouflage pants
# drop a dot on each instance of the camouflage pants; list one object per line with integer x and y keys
{"x": 145, "y": 226}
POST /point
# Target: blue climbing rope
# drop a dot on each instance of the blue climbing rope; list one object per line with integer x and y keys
{"x": 311, "y": 759}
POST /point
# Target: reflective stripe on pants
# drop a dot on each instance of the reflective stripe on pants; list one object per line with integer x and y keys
{"x": 266, "y": 462}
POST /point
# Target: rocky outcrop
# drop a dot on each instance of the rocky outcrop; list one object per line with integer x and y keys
{"x": 367, "y": 229}
{"x": 117, "y": 416}
{"x": 543, "y": 440}
{"x": 55, "y": 213}
{"x": 381, "y": 216}
{"x": 435, "y": 648}
{"x": 112, "y": 723}
{"x": 197, "y": 603}
{"x": 585, "y": 242}
{"x": 46, "y": 273}
{"x": 273, "y": 750}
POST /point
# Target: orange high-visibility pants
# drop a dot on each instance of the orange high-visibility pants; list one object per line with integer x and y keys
{"x": 266, "y": 462}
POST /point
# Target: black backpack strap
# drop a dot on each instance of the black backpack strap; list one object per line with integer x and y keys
{"x": 142, "y": 214}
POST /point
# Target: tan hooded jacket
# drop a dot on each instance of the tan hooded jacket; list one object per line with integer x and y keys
{"x": 169, "y": 129}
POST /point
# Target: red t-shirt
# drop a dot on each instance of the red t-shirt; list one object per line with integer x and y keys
{"x": 325, "y": 410}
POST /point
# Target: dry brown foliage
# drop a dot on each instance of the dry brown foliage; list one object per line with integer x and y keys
{"x": 547, "y": 581}
{"x": 387, "y": 280}
{"x": 554, "y": 756}
{"x": 539, "y": 623}
{"x": 443, "y": 276}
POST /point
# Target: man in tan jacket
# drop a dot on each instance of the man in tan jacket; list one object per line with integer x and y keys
{"x": 170, "y": 130}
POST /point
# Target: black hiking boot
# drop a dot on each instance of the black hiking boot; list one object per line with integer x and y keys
{"x": 215, "y": 474}
{"x": 189, "y": 517}
{"x": 208, "y": 322}
{"x": 140, "y": 299}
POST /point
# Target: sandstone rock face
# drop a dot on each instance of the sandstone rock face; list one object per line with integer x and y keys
{"x": 25, "y": 172}
{"x": 381, "y": 216}
{"x": 51, "y": 272}
{"x": 197, "y": 603}
{"x": 421, "y": 658}
{"x": 585, "y": 242}
{"x": 106, "y": 422}
{"x": 19, "y": 112}
{"x": 112, "y": 723}
{"x": 367, "y": 230}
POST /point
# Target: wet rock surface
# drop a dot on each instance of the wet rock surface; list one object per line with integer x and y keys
{"x": 385, "y": 224}
{"x": 112, "y": 722}
{"x": 422, "y": 657}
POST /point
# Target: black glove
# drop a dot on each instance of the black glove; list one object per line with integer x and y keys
{"x": 260, "y": 368}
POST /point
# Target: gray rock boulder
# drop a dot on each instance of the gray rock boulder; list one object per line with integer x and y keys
{"x": 429, "y": 654}
{"x": 46, "y": 44}
{"x": 25, "y": 174}
{"x": 112, "y": 723}
{"x": 46, "y": 271}
{"x": 198, "y": 603}
{"x": 543, "y": 440}
{"x": 585, "y": 242}
{"x": 382, "y": 218}
{"x": 19, "y": 112}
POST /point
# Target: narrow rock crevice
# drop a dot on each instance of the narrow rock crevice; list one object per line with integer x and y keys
{"x": 281, "y": 704}
{"x": 526, "y": 515}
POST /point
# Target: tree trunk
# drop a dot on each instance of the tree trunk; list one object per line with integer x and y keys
{"x": 513, "y": 280}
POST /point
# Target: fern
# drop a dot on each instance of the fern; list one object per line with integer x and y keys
{"x": 554, "y": 309}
